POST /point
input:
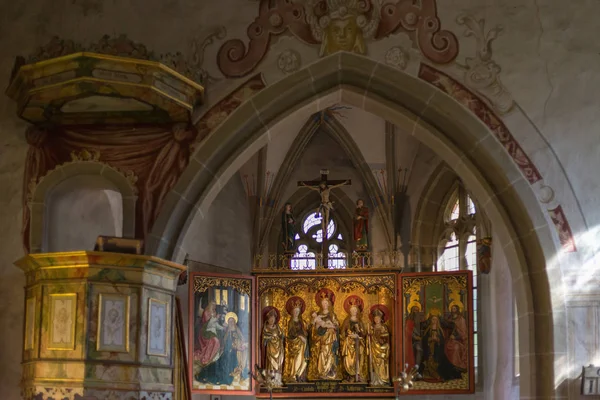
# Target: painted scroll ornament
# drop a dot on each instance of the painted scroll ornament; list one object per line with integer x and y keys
{"x": 337, "y": 25}
{"x": 482, "y": 74}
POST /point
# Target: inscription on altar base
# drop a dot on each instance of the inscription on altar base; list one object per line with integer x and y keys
{"x": 328, "y": 387}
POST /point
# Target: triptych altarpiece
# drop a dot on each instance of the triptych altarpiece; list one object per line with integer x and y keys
{"x": 344, "y": 332}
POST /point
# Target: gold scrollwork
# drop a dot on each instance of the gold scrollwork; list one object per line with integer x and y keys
{"x": 409, "y": 283}
{"x": 202, "y": 283}
{"x": 364, "y": 283}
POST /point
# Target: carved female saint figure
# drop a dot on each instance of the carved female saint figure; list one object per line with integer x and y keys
{"x": 353, "y": 337}
{"x": 288, "y": 229}
{"x": 296, "y": 356}
{"x": 379, "y": 346}
{"x": 361, "y": 226}
{"x": 272, "y": 344}
{"x": 324, "y": 339}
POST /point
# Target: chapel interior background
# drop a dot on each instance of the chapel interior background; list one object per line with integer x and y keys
{"x": 532, "y": 187}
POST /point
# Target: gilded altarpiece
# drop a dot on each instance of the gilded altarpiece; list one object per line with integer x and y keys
{"x": 337, "y": 333}
{"x": 344, "y": 333}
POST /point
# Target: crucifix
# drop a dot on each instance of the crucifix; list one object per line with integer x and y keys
{"x": 323, "y": 187}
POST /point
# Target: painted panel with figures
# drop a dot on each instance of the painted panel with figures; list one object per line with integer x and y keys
{"x": 437, "y": 330}
{"x": 220, "y": 333}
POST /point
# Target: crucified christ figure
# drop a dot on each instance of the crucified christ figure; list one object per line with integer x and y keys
{"x": 324, "y": 190}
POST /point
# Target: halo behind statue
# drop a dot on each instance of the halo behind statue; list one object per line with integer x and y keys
{"x": 270, "y": 310}
{"x": 353, "y": 301}
{"x": 295, "y": 302}
{"x": 324, "y": 294}
{"x": 379, "y": 309}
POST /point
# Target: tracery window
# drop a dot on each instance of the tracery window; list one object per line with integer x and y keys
{"x": 309, "y": 240}
{"x": 458, "y": 251}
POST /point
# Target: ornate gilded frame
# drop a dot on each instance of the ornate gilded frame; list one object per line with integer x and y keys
{"x": 54, "y": 297}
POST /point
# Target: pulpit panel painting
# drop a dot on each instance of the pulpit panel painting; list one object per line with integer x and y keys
{"x": 220, "y": 333}
{"x": 437, "y": 330}
{"x": 327, "y": 333}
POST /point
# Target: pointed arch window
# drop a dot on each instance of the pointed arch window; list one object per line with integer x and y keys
{"x": 457, "y": 250}
{"x": 308, "y": 242}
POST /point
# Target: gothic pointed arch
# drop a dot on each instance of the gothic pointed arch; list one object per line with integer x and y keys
{"x": 439, "y": 121}
{"x": 329, "y": 125}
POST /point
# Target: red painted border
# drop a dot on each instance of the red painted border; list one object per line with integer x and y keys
{"x": 469, "y": 275}
{"x": 565, "y": 235}
{"x": 482, "y": 111}
{"x": 191, "y": 320}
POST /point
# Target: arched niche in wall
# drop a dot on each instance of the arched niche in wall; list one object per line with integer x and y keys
{"x": 428, "y": 224}
{"x": 76, "y": 202}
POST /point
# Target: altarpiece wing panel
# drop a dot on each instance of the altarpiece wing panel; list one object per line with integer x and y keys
{"x": 221, "y": 333}
{"x": 437, "y": 330}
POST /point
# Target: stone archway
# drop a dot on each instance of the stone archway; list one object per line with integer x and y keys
{"x": 439, "y": 122}
{"x": 72, "y": 169}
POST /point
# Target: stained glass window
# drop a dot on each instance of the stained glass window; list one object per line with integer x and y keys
{"x": 309, "y": 244}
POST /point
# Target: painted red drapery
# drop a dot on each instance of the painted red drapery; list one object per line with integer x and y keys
{"x": 456, "y": 344}
{"x": 156, "y": 154}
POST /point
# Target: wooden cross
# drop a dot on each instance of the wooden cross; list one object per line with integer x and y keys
{"x": 323, "y": 187}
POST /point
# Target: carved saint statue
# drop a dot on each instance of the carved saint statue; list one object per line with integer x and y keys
{"x": 272, "y": 344}
{"x": 379, "y": 346}
{"x": 353, "y": 337}
{"x": 296, "y": 355}
{"x": 324, "y": 339}
{"x": 361, "y": 226}
{"x": 288, "y": 229}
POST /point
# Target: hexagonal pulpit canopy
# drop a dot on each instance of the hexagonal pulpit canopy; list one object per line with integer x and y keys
{"x": 90, "y": 88}
{"x": 98, "y": 325}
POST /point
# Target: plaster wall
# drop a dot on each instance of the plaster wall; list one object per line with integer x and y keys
{"x": 80, "y": 209}
{"x": 219, "y": 243}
